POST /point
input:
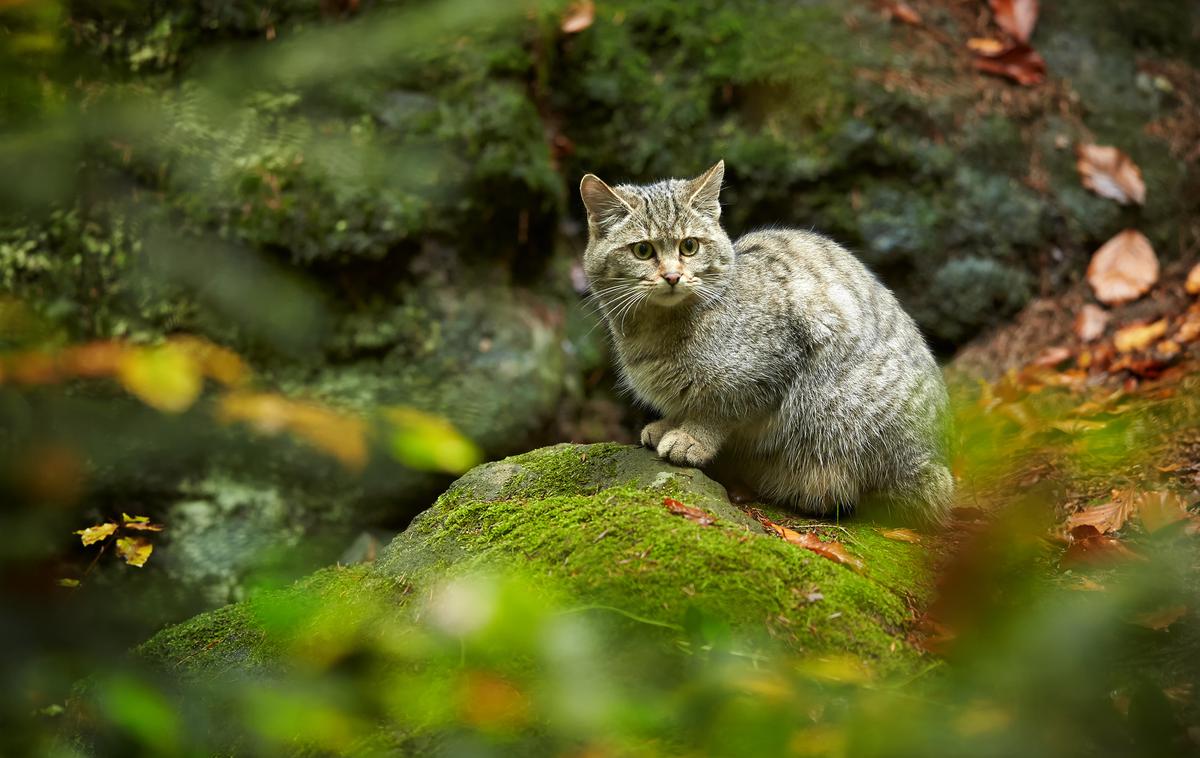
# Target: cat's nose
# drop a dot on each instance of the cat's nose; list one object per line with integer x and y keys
{"x": 672, "y": 278}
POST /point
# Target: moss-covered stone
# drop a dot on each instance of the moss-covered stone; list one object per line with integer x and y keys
{"x": 587, "y": 527}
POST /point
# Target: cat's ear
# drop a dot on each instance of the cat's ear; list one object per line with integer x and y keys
{"x": 604, "y": 205}
{"x": 704, "y": 192}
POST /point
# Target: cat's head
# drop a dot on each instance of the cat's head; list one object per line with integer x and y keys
{"x": 660, "y": 244}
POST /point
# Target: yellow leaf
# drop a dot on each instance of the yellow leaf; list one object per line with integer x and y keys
{"x": 166, "y": 378}
{"x": 218, "y": 363}
{"x": 139, "y": 523}
{"x": 425, "y": 441}
{"x": 1133, "y": 338}
{"x": 94, "y": 534}
{"x": 901, "y": 535}
{"x": 135, "y": 550}
{"x": 68, "y": 583}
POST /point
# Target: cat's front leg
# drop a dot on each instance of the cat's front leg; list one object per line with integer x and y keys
{"x": 690, "y": 444}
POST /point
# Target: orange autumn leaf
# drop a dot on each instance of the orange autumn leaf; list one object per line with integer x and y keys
{"x": 1139, "y": 336}
{"x": 832, "y": 550}
{"x": 702, "y": 518}
{"x": 1192, "y": 285}
{"x": 1123, "y": 269}
{"x": 1017, "y": 17}
{"x": 135, "y": 550}
{"x": 342, "y": 436}
{"x": 901, "y": 535}
{"x": 1110, "y": 173}
{"x": 1091, "y": 322}
{"x": 94, "y": 534}
{"x": 94, "y": 359}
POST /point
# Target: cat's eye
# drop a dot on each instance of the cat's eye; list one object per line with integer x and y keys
{"x": 643, "y": 251}
{"x": 689, "y": 246}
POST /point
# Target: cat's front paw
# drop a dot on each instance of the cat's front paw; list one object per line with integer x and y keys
{"x": 653, "y": 432}
{"x": 682, "y": 449}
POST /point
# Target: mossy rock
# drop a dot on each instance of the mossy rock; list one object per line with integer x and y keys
{"x": 586, "y": 525}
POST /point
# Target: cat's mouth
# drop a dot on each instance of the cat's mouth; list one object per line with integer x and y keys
{"x": 664, "y": 294}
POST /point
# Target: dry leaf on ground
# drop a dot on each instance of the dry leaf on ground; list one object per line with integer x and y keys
{"x": 1089, "y": 548}
{"x": 985, "y": 45}
{"x": 1189, "y": 330}
{"x": 1091, "y": 322}
{"x": 578, "y": 17}
{"x": 1017, "y": 17}
{"x": 1052, "y": 356}
{"x": 1160, "y": 509}
{"x": 1106, "y": 518}
{"x": 904, "y": 13}
{"x": 96, "y": 533}
{"x": 832, "y": 550}
{"x": 1021, "y": 63}
{"x": 1110, "y": 173}
{"x": 1123, "y": 269}
{"x": 1161, "y": 618}
{"x": 703, "y": 518}
{"x": 341, "y": 435}
{"x": 1139, "y": 336}
{"x": 901, "y": 535}
{"x": 1192, "y": 285}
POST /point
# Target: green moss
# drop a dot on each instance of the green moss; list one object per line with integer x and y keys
{"x": 615, "y": 552}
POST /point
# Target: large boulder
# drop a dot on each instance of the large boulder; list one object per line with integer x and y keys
{"x": 586, "y": 524}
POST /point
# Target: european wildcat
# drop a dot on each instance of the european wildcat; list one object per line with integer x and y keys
{"x": 780, "y": 351}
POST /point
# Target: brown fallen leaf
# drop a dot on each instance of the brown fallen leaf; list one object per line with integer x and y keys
{"x": 94, "y": 534}
{"x": 1123, "y": 269}
{"x": 1017, "y": 17}
{"x": 1161, "y": 618}
{"x": 1110, "y": 173}
{"x": 832, "y": 550}
{"x": 1192, "y": 285}
{"x": 1020, "y": 63}
{"x": 1189, "y": 330}
{"x": 1109, "y": 517}
{"x": 1091, "y": 548}
{"x": 579, "y": 16}
{"x": 1167, "y": 349}
{"x": 985, "y": 45}
{"x": 1139, "y": 336}
{"x": 901, "y": 535}
{"x": 1052, "y": 356}
{"x": 1091, "y": 322}
{"x": 703, "y": 518}
{"x": 1160, "y": 509}
{"x": 904, "y": 13}
{"x": 135, "y": 550}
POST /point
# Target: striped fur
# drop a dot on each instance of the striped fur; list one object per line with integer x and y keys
{"x": 780, "y": 356}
